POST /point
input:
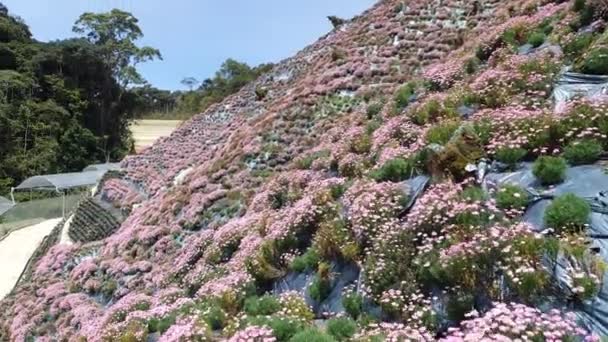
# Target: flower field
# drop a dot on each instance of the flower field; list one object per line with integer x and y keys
{"x": 297, "y": 216}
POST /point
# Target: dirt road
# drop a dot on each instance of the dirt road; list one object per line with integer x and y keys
{"x": 146, "y": 132}
{"x": 17, "y": 248}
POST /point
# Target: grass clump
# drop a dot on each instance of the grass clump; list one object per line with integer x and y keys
{"x": 537, "y": 39}
{"x": 373, "y": 110}
{"x": 353, "y": 304}
{"x": 442, "y": 133}
{"x": 264, "y": 305}
{"x": 595, "y": 62}
{"x": 550, "y": 170}
{"x": 404, "y": 95}
{"x": 320, "y": 288}
{"x": 342, "y": 328}
{"x": 308, "y": 260}
{"x": 511, "y": 197}
{"x": 394, "y": 170}
{"x": 583, "y": 152}
{"x": 510, "y": 156}
{"x": 283, "y": 327}
{"x": 567, "y": 213}
{"x": 312, "y": 335}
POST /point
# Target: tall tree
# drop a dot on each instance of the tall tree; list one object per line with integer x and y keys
{"x": 190, "y": 82}
{"x": 117, "y": 32}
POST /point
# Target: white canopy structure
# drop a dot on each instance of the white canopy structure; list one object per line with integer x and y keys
{"x": 5, "y": 205}
{"x": 62, "y": 181}
{"x": 102, "y": 167}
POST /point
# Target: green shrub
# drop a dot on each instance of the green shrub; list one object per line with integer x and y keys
{"x": 394, "y": 170}
{"x": 320, "y": 288}
{"x": 459, "y": 305}
{"x": 160, "y": 325}
{"x": 403, "y": 96}
{"x": 578, "y": 5}
{"x": 510, "y": 156}
{"x": 265, "y": 305}
{"x": 583, "y": 152}
{"x": 442, "y": 133}
{"x": 567, "y": 213}
{"x": 550, "y": 170}
{"x": 361, "y": 144}
{"x": 536, "y": 39}
{"x": 511, "y": 197}
{"x": 341, "y": 328}
{"x": 308, "y": 260}
{"x": 312, "y": 335}
{"x": 353, "y": 304}
{"x": 215, "y": 317}
{"x": 474, "y": 194}
{"x": 578, "y": 45}
{"x": 283, "y": 327}
{"x": 373, "y": 110}
{"x": 595, "y": 62}
{"x": 471, "y": 65}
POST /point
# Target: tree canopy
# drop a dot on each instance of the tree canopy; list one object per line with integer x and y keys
{"x": 64, "y": 104}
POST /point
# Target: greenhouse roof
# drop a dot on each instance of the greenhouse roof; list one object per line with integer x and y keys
{"x": 103, "y": 167}
{"x": 5, "y": 205}
{"x": 62, "y": 181}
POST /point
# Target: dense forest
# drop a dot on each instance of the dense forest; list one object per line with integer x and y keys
{"x": 64, "y": 104}
{"x": 68, "y": 103}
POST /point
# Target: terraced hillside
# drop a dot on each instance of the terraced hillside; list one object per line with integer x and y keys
{"x": 427, "y": 171}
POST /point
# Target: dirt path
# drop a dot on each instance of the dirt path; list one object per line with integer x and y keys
{"x": 17, "y": 248}
{"x": 145, "y": 132}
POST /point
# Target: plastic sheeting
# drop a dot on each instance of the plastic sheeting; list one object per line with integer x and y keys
{"x": 61, "y": 181}
{"x": 102, "y": 167}
{"x": 5, "y": 205}
{"x": 571, "y": 85}
{"x": 591, "y": 183}
{"x": 344, "y": 274}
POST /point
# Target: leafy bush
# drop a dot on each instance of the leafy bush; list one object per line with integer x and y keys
{"x": 341, "y": 328}
{"x": 471, "y": 65}
{"x": 404, "y": 95}
{"x": 373, "y": 110}
{"x": 353, "y": 304}
{"x": 442, "y": 133}
{"x": 283, "y": 327}
{"x": 308, "y": 260}
{"x": 394, "y": 170}
{"x": 265, "y": 305}
{"x": 567, "y": 213}
{"x": 550, "y": 170}
{"x": 511, "y": 197}
{"x": 583, "y": 152}
{"x": 215, "y": 317}
{"x": 310, "y": 335}
{"x": 536, "y": 39}
{"x": 160, "y": 325}
{"x": 595, "y": 62}
{"x": 321, "y": 285}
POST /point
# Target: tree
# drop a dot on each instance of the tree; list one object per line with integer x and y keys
{"x": 116, "y": 33}
{"x": 190, "y": 82}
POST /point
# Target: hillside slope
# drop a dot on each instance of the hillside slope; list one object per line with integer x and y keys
{"x": 354, "y": 179}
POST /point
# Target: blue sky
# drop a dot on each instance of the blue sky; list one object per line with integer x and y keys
{"x": 196, "y": 36}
